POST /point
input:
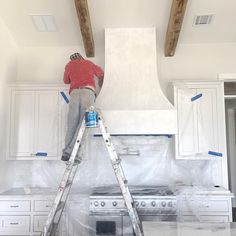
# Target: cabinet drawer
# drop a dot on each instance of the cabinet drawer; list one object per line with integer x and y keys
{"x": 15, "y": 224}
{"x": 206, "y": 206}
{"x": 16, "y": 206}
{"x": 205, "y": 218}
{"x": 219, "y": 206}
{"x": 42, "y": 205}
{"x": 39, "y": 222}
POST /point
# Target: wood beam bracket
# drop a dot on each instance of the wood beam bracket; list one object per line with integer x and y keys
{"x": 85, "y": 26}
{"x": 174, "y": 26}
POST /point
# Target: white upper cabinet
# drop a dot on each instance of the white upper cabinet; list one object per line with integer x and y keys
{"x": 21, "y": 128}
{"x": 35, "y": 127}
{"x": 201, "y": 127}
{"x": 46, "y": 123}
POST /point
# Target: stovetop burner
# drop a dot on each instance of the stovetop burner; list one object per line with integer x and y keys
{"x": 139, "y": 190}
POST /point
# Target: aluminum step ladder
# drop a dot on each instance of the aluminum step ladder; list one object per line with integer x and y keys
{"x": 69, "y": 174}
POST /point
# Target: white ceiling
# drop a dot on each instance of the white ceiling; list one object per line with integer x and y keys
{"x": 116, "y": 13}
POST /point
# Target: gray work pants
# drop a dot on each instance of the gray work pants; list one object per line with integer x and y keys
{"x": 80, "y": 101}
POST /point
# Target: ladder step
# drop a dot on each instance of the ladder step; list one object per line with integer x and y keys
{"x": 61, "y": 205}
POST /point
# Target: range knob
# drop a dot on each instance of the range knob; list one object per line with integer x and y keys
{"x": 136, "y": 203}
{"x": 114, "y": 203}
{"x": 153, "y": 203}
{"x": 143, "y": 204}
{"x": 163, "y": 204}
{"x": 103, "y": 204}
{"x": 96, "y": 203}
{"x": 170, "y": 204}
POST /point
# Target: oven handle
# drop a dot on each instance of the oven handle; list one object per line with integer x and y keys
{"x": 109, "y": 213}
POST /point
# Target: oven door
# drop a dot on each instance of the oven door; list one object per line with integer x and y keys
{"x": 105, "y": 225}
{"x": 127, "y": 226}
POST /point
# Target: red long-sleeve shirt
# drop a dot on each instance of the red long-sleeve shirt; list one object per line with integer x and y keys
{"x": 80, "y": 73}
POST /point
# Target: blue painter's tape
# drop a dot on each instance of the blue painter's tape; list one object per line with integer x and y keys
{"x": 65, "y": 97}
{"x": 218, "y": 154}
{"x": 41, "y": 154}
{"x": 196, "y": 97}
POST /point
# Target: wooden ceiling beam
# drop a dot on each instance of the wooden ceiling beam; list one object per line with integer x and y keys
{"x": 174, "y": 26}
{"x": 85, "y": 26}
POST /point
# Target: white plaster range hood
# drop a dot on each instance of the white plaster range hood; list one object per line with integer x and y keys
{"x": 131, "y": 99}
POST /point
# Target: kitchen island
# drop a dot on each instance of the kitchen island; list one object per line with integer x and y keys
{"x": 151, "y": 228}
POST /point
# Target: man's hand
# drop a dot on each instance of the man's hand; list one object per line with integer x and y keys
{"x": 100, "y": 81}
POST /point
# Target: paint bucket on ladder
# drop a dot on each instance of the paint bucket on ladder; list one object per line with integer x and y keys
{"x": 91, "y": 117}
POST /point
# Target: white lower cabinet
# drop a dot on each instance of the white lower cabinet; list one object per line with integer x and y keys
{"x": 17, "y": 225}
{"x": 42, "y": 205}
{"x": 15, "y": 206}
{"x": 27, "y": 215}
{"x": 206, "y": 209}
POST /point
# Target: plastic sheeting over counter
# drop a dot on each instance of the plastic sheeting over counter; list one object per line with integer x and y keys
{"x": 146, "y": 160}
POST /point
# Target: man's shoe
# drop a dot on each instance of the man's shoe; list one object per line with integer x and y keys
{"x": 65, "y": 157}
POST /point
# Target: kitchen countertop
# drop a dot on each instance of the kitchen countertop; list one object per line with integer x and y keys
{"x": 151, "y": 228}
{"x": 177, "y": 190}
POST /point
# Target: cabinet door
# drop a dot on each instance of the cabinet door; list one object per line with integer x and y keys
{"x": 21, "y": 124}
{"x": 47, "y": 124}
{"x": 14, "y": 225}
{"x": 207, "y": 120}
{"x": 187, "y": 123}
{"x": 198, "y": 131}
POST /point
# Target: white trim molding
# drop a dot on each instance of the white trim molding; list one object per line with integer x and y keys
{"x": 227, "y": 76}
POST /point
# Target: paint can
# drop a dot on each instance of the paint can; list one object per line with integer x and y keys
{"x": 91, "y": 118}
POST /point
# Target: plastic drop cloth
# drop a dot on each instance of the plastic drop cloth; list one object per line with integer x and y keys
{"x": 146, "y": 161}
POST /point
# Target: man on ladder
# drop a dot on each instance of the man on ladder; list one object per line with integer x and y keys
{"x": 80, "y": 74}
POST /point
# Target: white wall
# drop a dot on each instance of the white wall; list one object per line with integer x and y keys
{"x": 191, "y": 61}
{"x": 199, "y": 61}
{"x": 46, "y": 64}
{"x": 8, "y": 72}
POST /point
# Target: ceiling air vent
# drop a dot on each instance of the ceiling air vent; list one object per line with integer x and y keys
{"x": 203, "y": 19}
{"x": 44, "y": 23}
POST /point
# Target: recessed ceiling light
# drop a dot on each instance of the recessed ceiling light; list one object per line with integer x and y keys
{"x": 203, "y": 19}
{"x": 44, "y": 23}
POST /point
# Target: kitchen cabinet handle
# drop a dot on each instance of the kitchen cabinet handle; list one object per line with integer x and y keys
{"x": 14, "y": 206}
{"x": 14, "y": 223}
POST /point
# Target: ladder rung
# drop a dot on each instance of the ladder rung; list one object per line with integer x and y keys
{"x": 68, "y": 185}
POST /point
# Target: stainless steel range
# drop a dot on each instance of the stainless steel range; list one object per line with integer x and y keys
{"x": 108, "y": 214}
